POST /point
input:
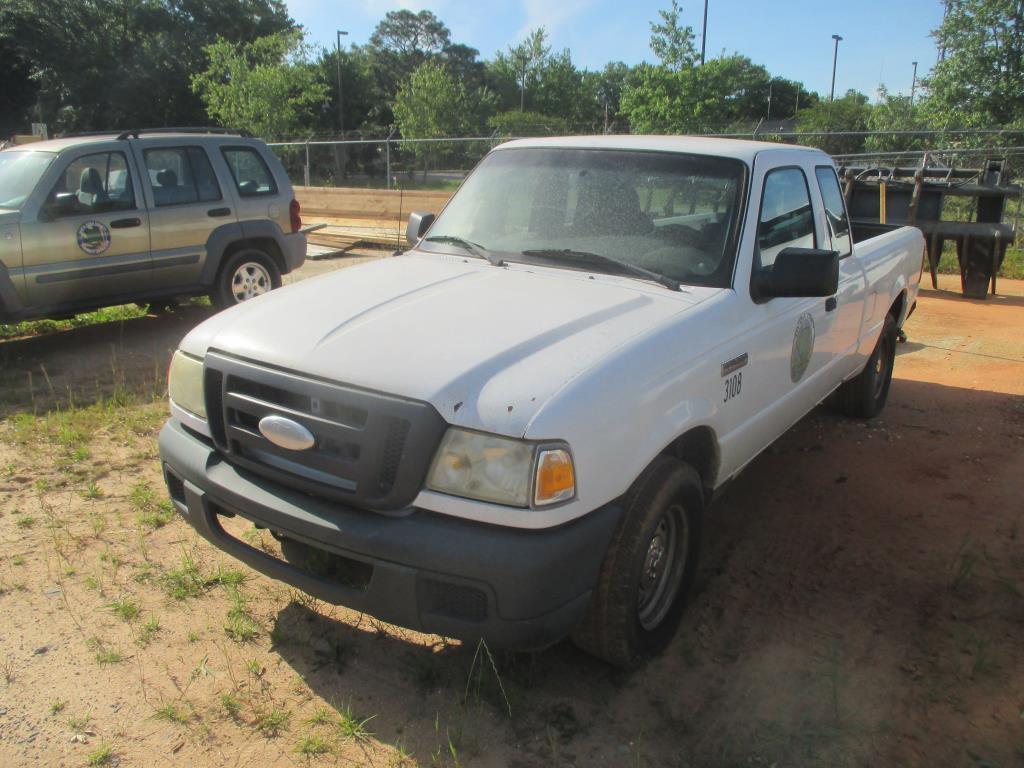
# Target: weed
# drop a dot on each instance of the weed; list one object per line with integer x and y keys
{"x": 322, "y": 716}
{"x": 148, "y": 631}
{"x": 482, "y": 646}
{"x": 57, "y": 706}
{"x": 172, "y": 713}
{"x": 351, "y": 727}
{"x": 189, "y": 581}
{"x": 192, "y": 636}
{"x": 18, "y": 560}
{"x": 231, "y": 705}
{"x": 98, "y": 523}
{"x": 126, "y": 608}
{"x": 26, "y": 521}
{"x": 104, "y": 654}
{"x": 978, "y": 647}
{"x": 312, "y": 745}
{"x": 92, "y": 583}
{"x": 963, "y": 569}
{"x": 7, "y": 668}
{"x": 271, "y": 723}
{"x": 102, "y": 756}
{"x": 79, "y": 724}
{"x": 240, "y": 625}
{"x": 92, "y": 491}
{"x": 152, "y": 511}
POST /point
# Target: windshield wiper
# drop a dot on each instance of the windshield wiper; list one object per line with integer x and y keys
{"x": 597, "y": 259}
{"x": 474, "y": 248}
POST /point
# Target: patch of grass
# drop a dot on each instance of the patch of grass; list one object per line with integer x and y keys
{"x": 149, "y": 631}
{"x": 192, "y": 636}
{"x": 272, "y": 723}
{"x": 172, "y": 713}
{"x": 92, "y": 491}
{"x": 188, "y": 580}
{"x": 7, "y": 669}
{"x": 312, "y": 745}
{"x": 350, "y": 726}
{"x": 240, "y": 625}
{"x": 18, "y": 560}
{"x": 102, "y": 756}
{"x": 127, "y": 608}
{"x": 79, "y": 724}
{"x": 26, "y": 521}
{"x": 322, "y": 716}
{"x": 231, "y": 705}
{"x": 105, "y": 654}
{"x": 57, "y": 706}
{"x": 152, "y": 511}
{"x": 40, "y": 327}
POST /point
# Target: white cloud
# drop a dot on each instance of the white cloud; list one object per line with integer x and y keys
{"x": 550, "y": 14}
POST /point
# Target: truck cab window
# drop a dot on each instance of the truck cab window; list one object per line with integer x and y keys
{"x": 835, "y": 209}
{"x": 786, "y": 220}
{"x": 97, "y": 183}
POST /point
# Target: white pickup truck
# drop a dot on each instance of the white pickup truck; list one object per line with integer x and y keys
{"x": 512, "y": 430}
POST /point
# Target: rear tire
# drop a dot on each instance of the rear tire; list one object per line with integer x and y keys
{"x": 649, "y": 567}
{"x": 245, "y": 275}
{"x": 864, "y": 396}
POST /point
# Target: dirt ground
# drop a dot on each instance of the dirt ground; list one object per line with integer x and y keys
{"x": 860, "y": 599}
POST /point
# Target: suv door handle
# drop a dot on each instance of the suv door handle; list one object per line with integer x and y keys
{"x": 218, "y": 212}
{"x": 831, "y": 303}
{"x": 125, "y": 223}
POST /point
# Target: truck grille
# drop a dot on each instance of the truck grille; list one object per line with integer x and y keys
{"x": 370, "y": 449}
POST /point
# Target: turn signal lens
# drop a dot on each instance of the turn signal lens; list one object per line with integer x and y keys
{"x": 556, "y": 477}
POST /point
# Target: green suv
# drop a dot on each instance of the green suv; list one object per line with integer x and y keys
{"x": 144, "y": 216}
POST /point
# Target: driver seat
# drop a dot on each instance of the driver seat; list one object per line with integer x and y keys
{"x": 90, "y": 189}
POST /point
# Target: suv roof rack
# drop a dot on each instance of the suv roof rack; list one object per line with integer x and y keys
{"x": 135, "y": 133}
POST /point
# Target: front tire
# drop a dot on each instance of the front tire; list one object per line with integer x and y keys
{"x": 244, "y": 275}
{"x": 864, "y": 396}
{"x": 649, "y": 567}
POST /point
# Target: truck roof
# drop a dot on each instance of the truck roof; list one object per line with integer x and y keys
{"x": 695, "y": 145}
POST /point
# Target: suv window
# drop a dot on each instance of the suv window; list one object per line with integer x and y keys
{"x": 835, "y": 209}
{"x": 100, "y": 183}
{"x": 180, "y": 175}
{"x": 786, "y": 220}
{"x": 250, "y": 172}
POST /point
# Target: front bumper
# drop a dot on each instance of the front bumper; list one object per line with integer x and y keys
{"x": 514, "y": 588}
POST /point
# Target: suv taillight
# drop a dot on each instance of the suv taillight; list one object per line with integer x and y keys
{"x": 294, "y": 211}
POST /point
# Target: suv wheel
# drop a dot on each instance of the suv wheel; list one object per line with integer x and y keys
{"x": 649, "y": 567}
{"x": 245, "y": 275}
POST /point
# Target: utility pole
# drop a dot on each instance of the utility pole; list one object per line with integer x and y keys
{"x": 835, "y": 56}
{"x": 795, "y": 111}
{"x": 341, "y": 109}
{"x": 769, "y": 115}
{"x": 522, "y": 82}
{"x": 913, "y": 84}
{"x": 704, "y": 34}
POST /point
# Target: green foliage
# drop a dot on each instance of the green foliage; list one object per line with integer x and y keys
{"x": 894, "y": 113}
{"x": 267, "y": 87}
{"x": 980, "y": 82}
{"x": 850, "y": 113}
{"x": 671, "y": 42}
{"x": 515, "y": 123}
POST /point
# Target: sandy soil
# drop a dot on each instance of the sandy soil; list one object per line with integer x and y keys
{"x": 860, "y": 600}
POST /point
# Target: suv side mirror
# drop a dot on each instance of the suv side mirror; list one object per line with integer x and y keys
{"x": 418, "y": 225}
{"x": 62, "y": 204}
{"x": 800, "y": 272}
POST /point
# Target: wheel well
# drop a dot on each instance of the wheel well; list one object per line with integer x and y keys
{"x": 266, "y": 244}
{"x": 698, "y": 447}
{"x": 896, "y": 310}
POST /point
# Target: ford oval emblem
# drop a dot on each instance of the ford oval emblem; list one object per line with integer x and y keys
{"x": 285, "y": 433}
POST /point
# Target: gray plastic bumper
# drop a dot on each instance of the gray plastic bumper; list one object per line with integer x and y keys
{"x": 433, "y": 573}
{"x": 293, "y": 248}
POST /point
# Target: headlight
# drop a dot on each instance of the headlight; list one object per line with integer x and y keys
{"x": 501, "y": 470}
{"x": 185, "y": 383}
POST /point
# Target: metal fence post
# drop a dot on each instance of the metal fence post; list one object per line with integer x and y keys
{"x": 306, "y": 169}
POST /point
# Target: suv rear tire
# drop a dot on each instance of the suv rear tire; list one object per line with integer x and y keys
{"x": 246, "y": 274}
{"x": 649, "y": 567}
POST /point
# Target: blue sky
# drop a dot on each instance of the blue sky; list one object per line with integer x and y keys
{"x": 792, "y": 38}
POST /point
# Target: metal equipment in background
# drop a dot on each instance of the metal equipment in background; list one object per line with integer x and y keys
{"x": 919, "y": 196}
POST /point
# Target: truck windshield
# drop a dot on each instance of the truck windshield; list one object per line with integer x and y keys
{"x": 668, "y": 213}
{"x": 19, "y": 172}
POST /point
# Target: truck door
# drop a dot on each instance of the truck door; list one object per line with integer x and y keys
{"x": 90, "y": 240}
{"x": 186, "y": 205}
{"x": 850, "y": 298}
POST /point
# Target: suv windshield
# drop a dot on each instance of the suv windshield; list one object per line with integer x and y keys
{"x": 668, "y": 213}
{"x": 19, "y": 172}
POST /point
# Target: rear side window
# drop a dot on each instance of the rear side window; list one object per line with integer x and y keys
{"x": 99, "y": 183}
{"x": 835, "y": 209}
{"x": 786, "y": 219}
{"x": 250, "y": 172}
{"x": 180, "y": 175}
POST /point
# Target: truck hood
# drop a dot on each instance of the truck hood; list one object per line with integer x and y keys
{"x": 486, "y": 346}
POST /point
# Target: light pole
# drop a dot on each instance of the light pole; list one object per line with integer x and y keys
{"x": 341, "y": 110}
{"x": 704, "y": 34}
{"x": 522, "y": 89}
{"x": 835, "y": 56}
{"x": 913, "y": 84}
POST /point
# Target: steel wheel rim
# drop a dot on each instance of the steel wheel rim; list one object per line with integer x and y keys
{"x": 250, "y": 280}
{"x": 664, "y": 564}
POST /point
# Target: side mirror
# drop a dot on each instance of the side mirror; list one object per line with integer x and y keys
{"x": 61, "y": 204}
{"x": 799, "y": 272}
{"x": 418, "y": 225}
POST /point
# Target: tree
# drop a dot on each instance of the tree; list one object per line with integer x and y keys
{"x": 514, "y": 124}
{"x": 671, "y": 42}
{"x": 848, "y": 114}
{"x": 267, "y": 87}
{"x": 980, "y": 81}
{"x": 402, "y": 41}
{"x": 895, "y": 113}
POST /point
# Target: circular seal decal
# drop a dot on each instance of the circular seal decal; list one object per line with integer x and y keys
{"x": 93, "y": 237}
{"x": 803, "y": 346}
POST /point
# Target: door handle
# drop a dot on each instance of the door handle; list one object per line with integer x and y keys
{"x": 218, "y": 212}
{"x": 125, "y": 223}
{"x": 831, "y": 303}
